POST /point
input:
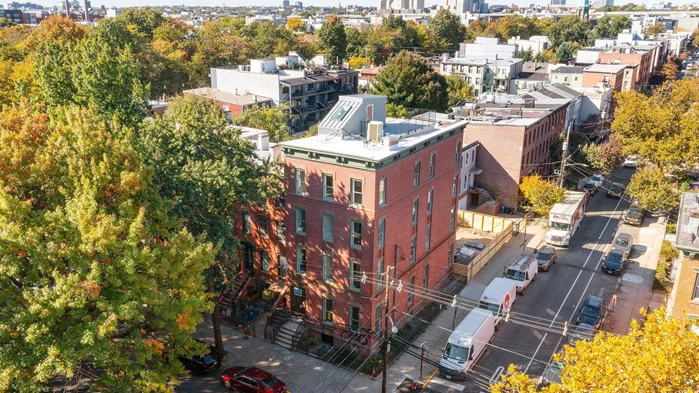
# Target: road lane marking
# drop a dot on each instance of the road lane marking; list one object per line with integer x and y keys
{"x": 535, "y": 352}
{"x": 610, "y": 219}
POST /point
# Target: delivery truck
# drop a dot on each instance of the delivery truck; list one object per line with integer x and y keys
{"x": 498, "y": 298}
{"x": 565, "y": 218}
{"x": 467, "y": 343}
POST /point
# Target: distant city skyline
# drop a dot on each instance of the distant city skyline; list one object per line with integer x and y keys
{"x": 318, "y": 3}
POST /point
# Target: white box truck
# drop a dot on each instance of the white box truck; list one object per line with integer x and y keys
{"x": 498, "y": 298}
{"x": 522, "y": 272}
{"x": 467, "y": 343}
{"x": 565, "y": 217}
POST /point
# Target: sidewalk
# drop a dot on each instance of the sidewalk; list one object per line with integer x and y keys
{"x": 434, "y": 337}
{"x": 635, "y": 291}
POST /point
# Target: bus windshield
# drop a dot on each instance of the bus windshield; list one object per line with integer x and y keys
{"x": 559, "y": 226}
{"x": 456, "y": 352}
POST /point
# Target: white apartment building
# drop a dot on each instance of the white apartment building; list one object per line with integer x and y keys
{"x": 535, "y": 43}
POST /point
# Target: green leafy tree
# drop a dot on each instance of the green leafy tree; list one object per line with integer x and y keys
{"x": 610, "y": 27}
{"x": 446, "y": 29}
{"x": 6, "y": 23}
{"x": 356, "y": 42}
{"x": 654, "y": 30}
{"x": 333, "y": 40}
{"x": 219, "y": 43}
{"x": 564, "y": 53}
{"x": 570, "y": 29}
{"x": 458, "y": 90}
{"x": 653, "y": 190}
{"x": 605, "y": 157}
{"x": 409, "y": 80}
{"x": 541, "y": 194}
{"x": 144, "y": 20}
{"x": 659, "y": 357}
{"x": 92, "y": 268}
{"x": 274, "y": 120}
{"x": 526, "y": 54}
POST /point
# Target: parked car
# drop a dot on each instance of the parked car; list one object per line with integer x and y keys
{"x": 198, "y": 365}
{"x": 592, "y": 312}
{"x": 545, "y": 257}
{"x": 597, "y": 179}
{"x": 581, "y": 332}
{"x": 615, "y": 191}
{"x": 631, "y": 161}
{"x": 634, "y": 215}
{"x": 623, "y": 243}
{"x": 613, "y": 262}
{"x": 590, "y": 187}
{"x": 251, "y": 380}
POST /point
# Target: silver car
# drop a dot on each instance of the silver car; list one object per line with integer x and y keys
{"x": 623, "y": 243}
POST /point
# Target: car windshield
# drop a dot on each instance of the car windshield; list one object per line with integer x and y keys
{"x": 590, "y": 311}
{"x": 614, "y": 187}
{"x": 635, "y": 212}
{"x": 456, "y": 352}
{"x": 614, "y": 257}
{"x": 622, "y": 241}
{"x": 559, "y": 226}
{"x": 595, "y": 178}
{"x": 270, "y": 381}
{"x": 493, "y": 308}
{"x": 544, "y": 256}
{"x": 515, "y": 274}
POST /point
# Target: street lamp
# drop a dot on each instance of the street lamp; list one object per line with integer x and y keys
{"x": 394, "y": 329}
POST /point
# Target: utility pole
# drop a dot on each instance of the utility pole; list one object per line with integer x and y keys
{"x": 384, "y": 345}
{"x": 564, "y": 157}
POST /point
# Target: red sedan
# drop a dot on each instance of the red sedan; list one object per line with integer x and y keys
{"x": 251, "y": 380}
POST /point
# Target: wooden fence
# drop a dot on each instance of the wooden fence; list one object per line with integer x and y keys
{"x": 484, "y": 222}
{"x": 466, "y": 272}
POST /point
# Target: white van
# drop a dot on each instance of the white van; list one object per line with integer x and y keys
{"x": 523, "y": 271}
{"x": 467, "y": 343}
{"x": 498, "y": 297}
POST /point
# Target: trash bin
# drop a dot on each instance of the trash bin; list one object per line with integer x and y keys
{"x": 256, "y": 311}
{"x": 251, "y": 315}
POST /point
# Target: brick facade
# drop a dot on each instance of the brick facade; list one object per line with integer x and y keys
{"x": 685, "y": 302}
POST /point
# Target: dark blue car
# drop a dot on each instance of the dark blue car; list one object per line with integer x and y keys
{"x": 613, "y": 262}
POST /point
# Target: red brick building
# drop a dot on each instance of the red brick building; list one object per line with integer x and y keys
{"x": 366, "y": 194}
{"x": 231, "y": 104}
{"x": 684, "y": 301}
{"x": 640, "y": 61}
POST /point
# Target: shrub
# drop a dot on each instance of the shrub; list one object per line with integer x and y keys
{"x": 668, "y": 254}
{"x": 671, "y": 228}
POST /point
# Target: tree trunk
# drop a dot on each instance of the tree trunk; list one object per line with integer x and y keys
{"x": 216, "y": 322}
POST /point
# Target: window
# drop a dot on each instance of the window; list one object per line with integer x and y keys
{"x": 356, "y": 275}
{"x": 356, "y": 238}
{"x": 469, "y": 80}
{"x": 378, "y": 315}
{"x": 426, "y": 276}
{"x": 416, "y": 205}
{"x": 281, "y": 231}
{"x": 370, "y": 112}
{"x": 473, "y": 157}
{"x": 430, "y": 196}
{"x": 457, "y": 153}
{"x": 696, "y": 287}
{"x": 416, "y": 174}
{"x": 300, "y": 181}
{"x": 328, "y": 184}
{"x": 354, "y": 318}
{"x": 428, "y": 235}
{"x": 433, "y": 159}
{"x": 466, "y": 160}
{"x": 327, "y": 268}
{"x": 452, "y": 219}
{"x": 264, "y": 258}
{"x": 380, "y": 275}
{"x": 382, "y": 191}
{"x": 328, "y": 225}
{"x": 262, "y": 225}
{"x": 300, "y": 221}
{"x": 455, "y": 185}
{"x": 478, "y": 81}
{"x": 382, "y": 232}
{"x": 301, "y": 260}
{"x": 327, "y": 311}
{"x": 412, "y": 249}
{"x": 450, "y": 259}
{"x": 246, "y": 223}
{"x": 356, "y": 191}
{"x": 411, "y": 291}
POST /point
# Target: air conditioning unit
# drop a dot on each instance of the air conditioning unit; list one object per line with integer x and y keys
{"x": 375, "y": 131}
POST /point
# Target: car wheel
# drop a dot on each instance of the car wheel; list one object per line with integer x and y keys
{"x": 227, "y": 385}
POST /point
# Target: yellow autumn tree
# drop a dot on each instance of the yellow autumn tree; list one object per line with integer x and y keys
{"x": 660, "y": 357}
{"x": 541, "y": 194}
{"x": 295, "y": 24}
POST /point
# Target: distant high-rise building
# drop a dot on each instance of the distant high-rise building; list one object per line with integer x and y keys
{"x": 401, "y": 5}
{"x": 464, "y": 6}
{"x": 299, "y": 5}
{"x": 594, "y": 4}
{"x": 285, "y": 3}
{"x": 558, "y": 2}
{"x": 584, "y": 9}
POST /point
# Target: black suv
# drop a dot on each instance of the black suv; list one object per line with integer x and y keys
{"x": 198, "y": 365}
{"x": 615, "y": 191}
{"x": 592, "y": 312}
{"x": 613, "y": 262}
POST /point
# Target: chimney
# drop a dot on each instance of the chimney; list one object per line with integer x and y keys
{"x": 236, "y": 91}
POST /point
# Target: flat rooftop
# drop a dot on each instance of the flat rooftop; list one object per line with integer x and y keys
{"x": 569, "y": 70}
{"x": 409, "y": 131}
{"x": 228, "y": 97}
{"x": 606, "y": 68}
{"x": 688, "y": 222}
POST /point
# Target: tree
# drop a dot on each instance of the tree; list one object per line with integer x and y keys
{"x": 333, "y": 40}
{"x": 541, "y": 194}
{"x": 525, "y": 54}
{"x": 570, "y": 29}
{"x": 653, "y": 190}
{"x": 669, "y": 71}
{"x": 274, "y": 120}
{"x": 447, "y": 30}
{"x": 295, "y": 24}
{"x": 356, "y": 63}
{"x": 610, "y": 27}
{"x": 662, "y": 128}
{"x": 659, "y": 357}
{"x": 654, "y": 30}
{"x": 54, "y": 29}
{"x": 144, "y": 20}
{"x": 546, "y": 56}
{"x": 564, "y": 53}
{"x": 409, "y": 80}
{"x": 605, "y": 157}
{"x": 94, "y": 270}
{"x": 458, "y": 90}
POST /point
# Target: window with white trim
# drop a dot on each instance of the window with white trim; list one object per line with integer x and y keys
{"x": 450, "y": 258}
{"x": 382, "y": 191}
{"x": 355, "y": 275}
{"x": 356, "y": 238}
{"x": 382, "y": 232}
{"x": 416, "y": 206}
{"x": 411, "y": 291}
{"x": 300, "y": 221}
{"x": 433, "y": 162}
{"x": 380, "y": 274}
{"x": 430, "y": 196}
{"x": 354, "y": 318}
{"x": 416, "y": 173}
{"x": 300, "y": 181}
{"x": 428, "y": 235}
{"x": 426, "y": 276}
{"x": 413, "y": 240}
{"x": 328, "y": 187}
{"x": 328, "y": 227}
{"x": 378, "y": 315}
{"x": 457, "y": 153}
{"x": 452, "y": 219}
{"x": 327, "y": 268}
{"x": 247, "y": 223}
{"x": 356, "y": 191}
{"x": 327, "y": 311}
{"x": 301, "y": 260}
{"x": 264, "y": 258}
